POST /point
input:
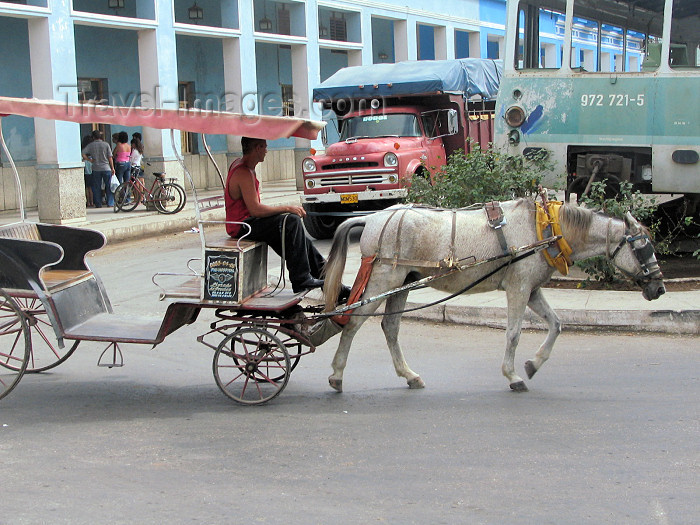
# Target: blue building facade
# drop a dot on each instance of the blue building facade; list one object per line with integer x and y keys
{"x": 249, "y": 56}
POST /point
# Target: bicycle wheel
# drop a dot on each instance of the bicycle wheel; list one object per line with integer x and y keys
{"x": 45, "y": 353}
{"x": 15, "y": 344}
{"x": 169, "y": 198}
{"x": 126, "y": 197}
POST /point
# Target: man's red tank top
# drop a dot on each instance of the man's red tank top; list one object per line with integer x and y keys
{"x": 236, "y": 210}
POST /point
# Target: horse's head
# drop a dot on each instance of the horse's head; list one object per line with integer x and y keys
{"x": 634, "y": 256}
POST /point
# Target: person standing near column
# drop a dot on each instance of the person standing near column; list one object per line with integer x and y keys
{"x": 99, "y": 154}
{"x": 121, "y": 157}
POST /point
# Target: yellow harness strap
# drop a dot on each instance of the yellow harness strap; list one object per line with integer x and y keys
{"x": 558, "y": 255}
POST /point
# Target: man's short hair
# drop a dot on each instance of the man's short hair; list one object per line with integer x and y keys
{"x": 97, "y": 134}
{"x": 248, "y": 144}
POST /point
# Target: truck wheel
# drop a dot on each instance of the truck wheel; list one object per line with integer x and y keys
{"x": 321, "y": 226}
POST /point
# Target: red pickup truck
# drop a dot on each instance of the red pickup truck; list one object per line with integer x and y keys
{"x": 395, "y": 121}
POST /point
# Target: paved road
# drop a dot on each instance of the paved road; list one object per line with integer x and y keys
{"x": 607, "y": 434}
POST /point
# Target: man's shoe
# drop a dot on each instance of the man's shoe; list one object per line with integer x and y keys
{"x": 309, "y": 284}
{"x": 344, "y": 294}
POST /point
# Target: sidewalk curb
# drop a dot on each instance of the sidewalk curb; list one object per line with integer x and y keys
{"x": 648, "y": 321}
{"x": 122, "y": 233}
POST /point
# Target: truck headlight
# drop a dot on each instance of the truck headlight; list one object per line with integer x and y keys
{"x": 308, "y": 165}
{"x": 391, "y": 160}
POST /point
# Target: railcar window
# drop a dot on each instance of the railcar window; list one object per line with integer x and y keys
{"x": 540, "y": 34}
{"x": 610, "y": 36}
{"x": 685, "y": 34}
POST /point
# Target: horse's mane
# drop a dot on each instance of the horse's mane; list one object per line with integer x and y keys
{"x": 576, "y": 221}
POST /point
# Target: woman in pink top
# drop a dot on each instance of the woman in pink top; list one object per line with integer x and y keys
{"x": 121, "y": 154}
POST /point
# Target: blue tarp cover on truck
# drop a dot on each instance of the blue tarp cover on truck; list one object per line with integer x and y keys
{"x": 471, "y": 76}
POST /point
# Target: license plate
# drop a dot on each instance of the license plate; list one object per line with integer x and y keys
{"x": 349, "y": 198}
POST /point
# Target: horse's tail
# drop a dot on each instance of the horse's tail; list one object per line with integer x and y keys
{"x": 335, "y": 265}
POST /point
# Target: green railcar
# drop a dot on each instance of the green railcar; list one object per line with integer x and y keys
{"x": 609, "y": 88}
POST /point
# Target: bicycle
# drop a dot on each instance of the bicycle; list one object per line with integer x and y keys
{"x": 166, "y": 197}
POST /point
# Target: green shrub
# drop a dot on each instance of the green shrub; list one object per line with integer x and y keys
{"x": 479, "y": 176}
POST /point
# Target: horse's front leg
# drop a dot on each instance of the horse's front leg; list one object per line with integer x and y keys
{"x": 390, "y": 325}
{"x": 540, "y": 306}
{"x": 340, "y": 359}
{"x": 517, "y": 302}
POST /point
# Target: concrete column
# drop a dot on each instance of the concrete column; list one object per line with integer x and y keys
{"x": 475, "y": 44}
{"x": 240, "y": 71}
{"x": 159, "y": 89}
{"x": 61, "y": 187}
{"x": 443, "y": 49}
{"x": 305, "y": 71}
{"x": 401, "y": 41}
{"x": 365, "y": 57}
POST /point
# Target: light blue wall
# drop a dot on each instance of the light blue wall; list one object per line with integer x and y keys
{"x": 16, "y": 81}
{"x": 331, "y": 62}
{"x": 217, "y": 13}
{"x": 111, "y": 54}
{"x": 200, "y": 60}
{"x": 274, "y": 67}
{"x": 100, "y": 7}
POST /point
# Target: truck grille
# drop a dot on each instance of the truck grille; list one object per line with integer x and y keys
{"x": 353, "y": 179}
{"x": 350, "y": 165}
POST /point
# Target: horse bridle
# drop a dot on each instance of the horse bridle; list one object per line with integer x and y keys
{"x": 644, "y": 254}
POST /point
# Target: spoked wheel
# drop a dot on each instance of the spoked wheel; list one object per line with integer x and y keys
{"x": 15, "y": 344}
{"x": 126, "y": 197}
{"x": 45, "y": 353}
{"x": 246, "y": 362}
{"x": 294, "y": 348}
{"x": 169, "y": 198}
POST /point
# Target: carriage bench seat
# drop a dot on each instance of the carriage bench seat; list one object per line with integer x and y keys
{"x": 58, "y": 267}
{"x": 58, "y": 279}
{"x": 233, "y": 269}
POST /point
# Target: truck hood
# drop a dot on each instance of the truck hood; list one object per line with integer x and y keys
{"x": 380, "y": 145}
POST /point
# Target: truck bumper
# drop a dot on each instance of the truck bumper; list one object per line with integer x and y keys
{"x": 362, "y": 196}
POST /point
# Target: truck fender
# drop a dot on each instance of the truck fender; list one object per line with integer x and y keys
{"x": 413, "y": 167}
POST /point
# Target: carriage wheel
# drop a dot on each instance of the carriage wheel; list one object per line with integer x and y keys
{"x": 15, "y": 344}
{"x": 294, "y": 350}
{"x": 45, "y": 353}
{"x": 245, "y": 363}
{"x": 293, "y": 346}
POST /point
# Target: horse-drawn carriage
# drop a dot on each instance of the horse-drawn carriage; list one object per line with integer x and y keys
{"x": 50, "y": 299}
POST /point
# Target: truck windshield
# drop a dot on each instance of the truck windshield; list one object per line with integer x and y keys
{"x": 374, "y": 126}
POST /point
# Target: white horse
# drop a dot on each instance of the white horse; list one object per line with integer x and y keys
{"x": 409, "y": 241}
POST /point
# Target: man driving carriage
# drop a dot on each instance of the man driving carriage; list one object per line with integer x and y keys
{"x": 278, "y": 226}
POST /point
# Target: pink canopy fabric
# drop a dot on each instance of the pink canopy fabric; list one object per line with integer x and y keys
{"x": 193, "y": 120}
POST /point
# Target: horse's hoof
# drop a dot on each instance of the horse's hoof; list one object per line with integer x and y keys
{"x": 416, "y": 382}
{"x": 518, "y": 386}
{"x": 336, "y": 384}
{"x": 530, "y": 369}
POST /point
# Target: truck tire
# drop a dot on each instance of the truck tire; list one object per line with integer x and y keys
{"x": 321, "y": 226}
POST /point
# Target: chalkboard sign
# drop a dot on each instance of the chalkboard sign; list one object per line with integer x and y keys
{"x": 221, "y": 279}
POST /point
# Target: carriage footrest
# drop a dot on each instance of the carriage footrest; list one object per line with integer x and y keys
{"x": 117, "y": 358}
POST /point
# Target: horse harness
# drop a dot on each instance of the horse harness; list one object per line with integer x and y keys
{"x": 644, "y": 255}
{"x": 449, "y": 264}
{"x": 547, "y": 221}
